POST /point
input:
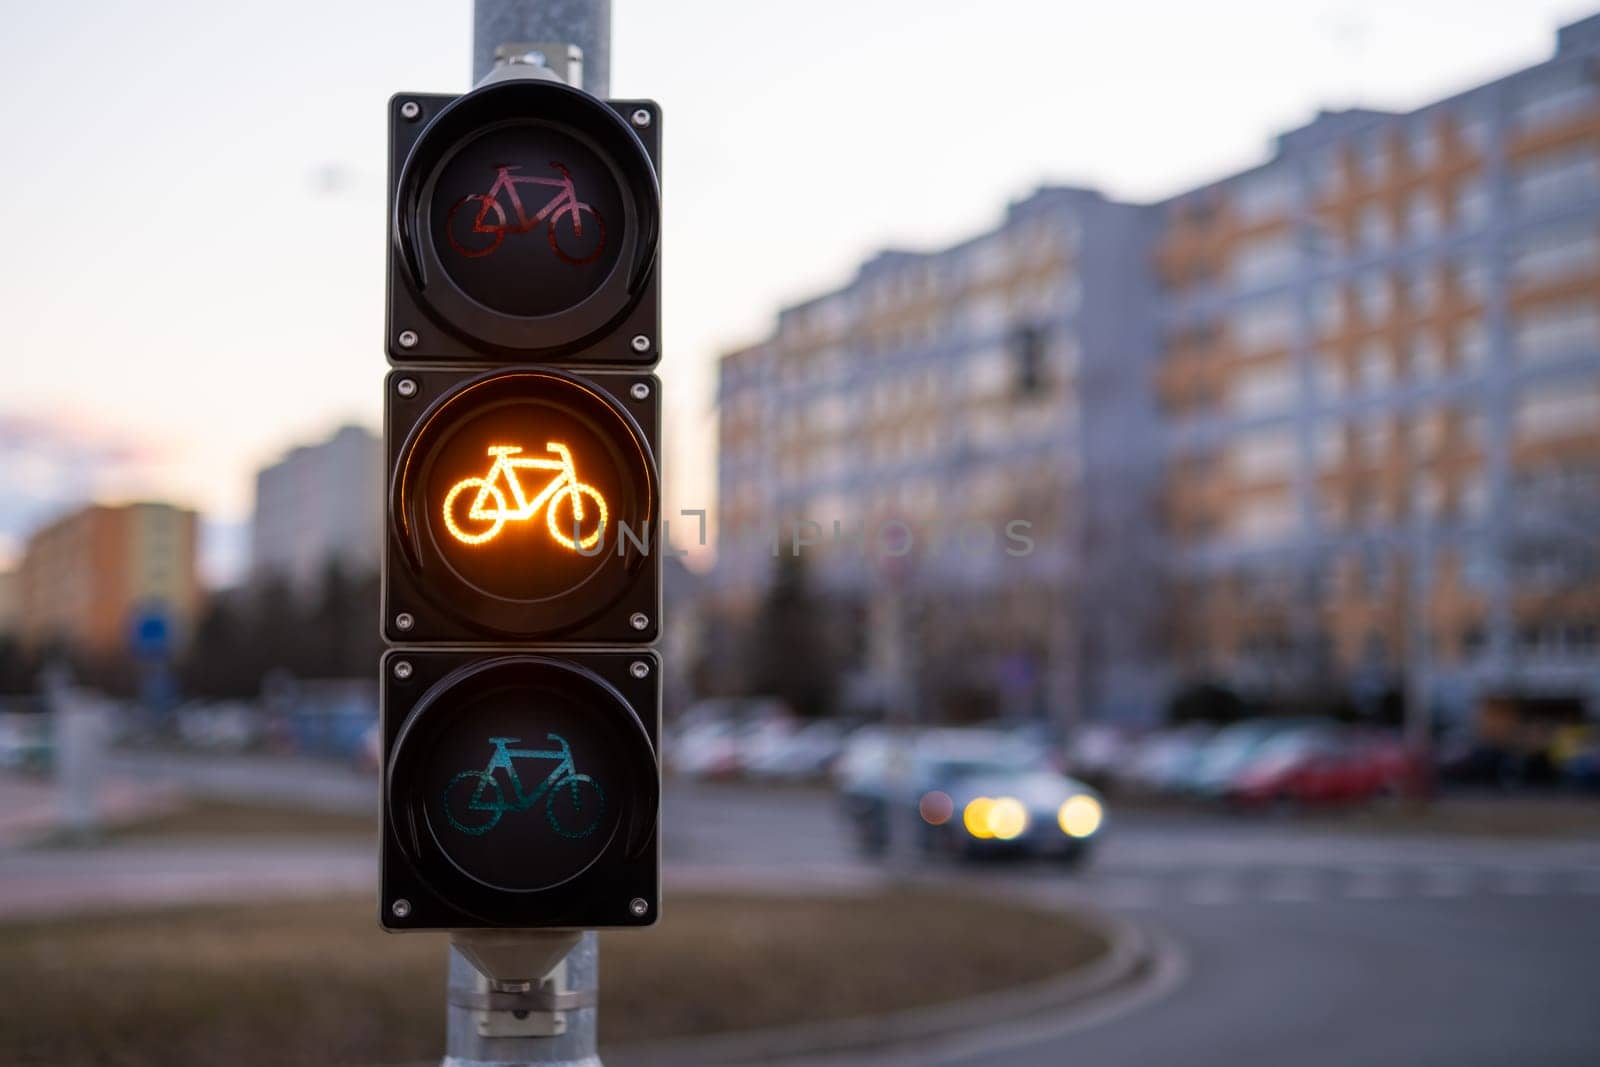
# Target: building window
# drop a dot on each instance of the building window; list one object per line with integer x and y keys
{"x": 1553, "y": 97}
{"x": 1472, "y": 280}
{"x": 1476, "y": 131}
{"x": 1557, "y": 330}
{"x": 1555, "y": 252}
{"x": 1472, "y": 204}
{"x": 1263, "y": 389}
{"x": 1556, "y": 178}
{"x": 1327, "y": 307}
{"x": 1555, "y": 411}
{"x": 1263, "y": 518}
{"x": 1028, "y": 353}
{"x": 1422, "y": 290}
{"x": 1265, "y": 261}
{"x": 1427, "y": 357}
{"x": 1373, "y": 296}
{"x": 1375, "y": 158}
{"x": 1376, "y": 367}
{"x": 1373, "y": 231}
{"x": 1423, "y": 144}
{"x": 1329, "y": 380}
{"x": 1263, "y": 324}
{"x": 1262, "y": 455}
{"x": 1422, "y": 216}
{"x": 1265, "y": 195}
{"x": 1471, "y": 344}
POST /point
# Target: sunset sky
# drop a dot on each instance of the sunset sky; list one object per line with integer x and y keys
{"x": 193, "y": 208}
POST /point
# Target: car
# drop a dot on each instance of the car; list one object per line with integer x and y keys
{"x": 1323, "y": 766}
{"x": 1304, "y": 766}
{"x": 706, "y": 750}
{"x": 968, "y": 793}
{"x": 1225, "y": 755}
{"x": 806, "y": 753}
{"x": 1162, "y": 761}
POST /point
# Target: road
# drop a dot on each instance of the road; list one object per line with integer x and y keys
{"x": 1305, "y": 948}
{"x": 1299, "y": 947}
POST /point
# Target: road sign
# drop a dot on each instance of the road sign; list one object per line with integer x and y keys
{"x": 522, "y": 581}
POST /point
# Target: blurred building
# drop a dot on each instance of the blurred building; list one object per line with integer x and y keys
{"x": 320, "y": 505}
{"x": 89, "y": 579}
{"x": 1381, "y": 377}
{"x": 1354, "y": 391}
{"x": 921, "y": 439}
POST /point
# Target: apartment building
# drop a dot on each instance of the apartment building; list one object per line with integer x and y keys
{"x": 920, "y": 436}
{"x": 1380, "y": 375}
{"x": 319, "y": 505}
{"x": 86, "y": 580}
{"x": 1360, "y": 383}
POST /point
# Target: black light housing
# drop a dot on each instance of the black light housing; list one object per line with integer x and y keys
{"x": 520, "y": 289}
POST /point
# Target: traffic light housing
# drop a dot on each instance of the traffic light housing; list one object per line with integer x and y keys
{"x": 519, "y": 179}
{"x": 565, "y": 542}
{"x": 521, "y": 583}
{"x": 520, "y": 789}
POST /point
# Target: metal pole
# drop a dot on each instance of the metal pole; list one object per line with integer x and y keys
{"x": 587, "y": 24}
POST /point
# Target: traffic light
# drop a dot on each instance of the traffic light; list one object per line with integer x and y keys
{"x": 521, "y": 585}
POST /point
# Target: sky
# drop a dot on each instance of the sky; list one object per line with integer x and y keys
{"x": 192, "y": 193}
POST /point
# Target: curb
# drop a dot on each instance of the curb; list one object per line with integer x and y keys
{"x": 1131, "y": 960}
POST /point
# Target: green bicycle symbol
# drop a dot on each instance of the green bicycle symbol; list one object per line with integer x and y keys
{"x": 474, "y": 801}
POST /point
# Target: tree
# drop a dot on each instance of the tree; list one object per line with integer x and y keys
{"x": 790, "y": 654}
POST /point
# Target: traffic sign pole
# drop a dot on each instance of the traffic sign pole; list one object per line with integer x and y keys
{"x": 587, "y": 25}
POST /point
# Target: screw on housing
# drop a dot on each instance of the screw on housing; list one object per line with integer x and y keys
{"x": 640, "y": 343}
{"x": 639, "y": 391}
{"x": 410, "y": 110}
{"x": 406, "y": 387}
{"x": 408, "y": 338}
{"x": 639, "y": 620}
{"x": 402, "y": 670}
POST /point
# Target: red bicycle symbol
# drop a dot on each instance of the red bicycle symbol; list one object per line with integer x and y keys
{"x": 490, "y": 221}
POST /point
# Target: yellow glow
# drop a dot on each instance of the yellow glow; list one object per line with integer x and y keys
{"x": 976, "y": 817}
{"x": 581, "y": 501}
{"x": 1007, "y": 818}
{"x": 1080, "y": 815}
{"x": 936, "y": 807}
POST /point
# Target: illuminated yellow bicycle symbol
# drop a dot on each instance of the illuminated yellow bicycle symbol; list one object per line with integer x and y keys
{"x": 489, "y": 504}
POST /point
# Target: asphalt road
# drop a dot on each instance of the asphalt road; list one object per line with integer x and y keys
{"x": 1298, "y": 948}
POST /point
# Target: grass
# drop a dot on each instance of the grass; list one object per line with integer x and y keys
{"x": 222, "y": 819}
{"x": 316, "y": 981}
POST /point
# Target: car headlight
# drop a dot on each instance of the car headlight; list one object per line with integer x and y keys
{"x": 975, "y": 817}
{"x": 1007, "y": 818}
{"x": 1080, "y": 815}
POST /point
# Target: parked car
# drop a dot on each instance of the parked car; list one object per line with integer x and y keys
{"x": 1226, "y": 754}
{"x": 706, "y": 750}
{"x": 808, "y": 752}
{"x": 1322, "y": 766}
{"x": 1164, "y": 760}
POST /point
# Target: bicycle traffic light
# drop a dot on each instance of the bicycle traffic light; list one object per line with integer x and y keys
{"x": 521, "y": 584}
{"x": 526, "y": 226}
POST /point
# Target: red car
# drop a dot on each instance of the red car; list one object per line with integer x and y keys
{"x": 1321, "y": 767}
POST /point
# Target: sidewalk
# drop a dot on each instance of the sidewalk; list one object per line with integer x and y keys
{"x": 30, "y": 808}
